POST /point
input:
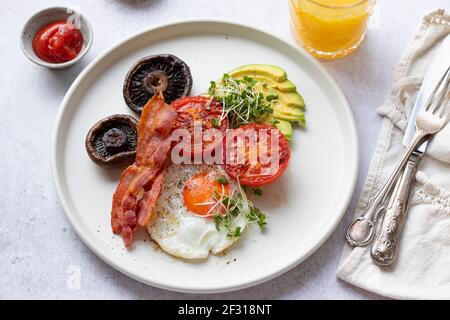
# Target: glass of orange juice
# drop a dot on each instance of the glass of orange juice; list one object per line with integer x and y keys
{"x": 330, "y": 29}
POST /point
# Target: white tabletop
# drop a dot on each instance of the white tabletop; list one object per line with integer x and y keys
{"x": 39, "y": 252}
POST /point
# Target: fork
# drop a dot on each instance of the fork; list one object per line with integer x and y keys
{"x": 430, "y": 119}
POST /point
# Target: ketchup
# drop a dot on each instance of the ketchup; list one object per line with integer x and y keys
{"x": 58, "y": 42}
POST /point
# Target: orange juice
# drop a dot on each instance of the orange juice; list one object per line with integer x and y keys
{"x": 330, "y": 29}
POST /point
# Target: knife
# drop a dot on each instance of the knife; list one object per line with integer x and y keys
{"x": 385, "y": 247}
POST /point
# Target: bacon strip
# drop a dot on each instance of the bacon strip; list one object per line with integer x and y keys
{"x": 148, "y": 201}
{"x": 140, "y": 184}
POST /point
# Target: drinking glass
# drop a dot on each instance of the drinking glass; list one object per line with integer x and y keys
{"x": 330, "y": 29}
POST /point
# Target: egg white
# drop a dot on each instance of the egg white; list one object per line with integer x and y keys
{"x": 180, "y": 232}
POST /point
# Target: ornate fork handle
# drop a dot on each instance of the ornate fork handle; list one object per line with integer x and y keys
{"x": 385, "y": 247}
{"x": 361, "y": 231}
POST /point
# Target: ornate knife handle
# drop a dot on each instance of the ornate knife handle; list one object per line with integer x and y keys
{"x": 361, "y": 231}
{"x": 385, "y": 247}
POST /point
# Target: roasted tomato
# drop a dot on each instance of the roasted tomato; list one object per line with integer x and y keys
{"x": 256, "y": 154}
{"x": 206, "y": 113}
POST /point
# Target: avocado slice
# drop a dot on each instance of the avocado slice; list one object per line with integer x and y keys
{"x": 289, "y": 114}
{"x": 284, "y": 126}
{"x": 293, "y": 99}
{"x": 283, "y": 86}
{"x": 272, "y": 72}
{"x": 288, "y": 99}
{"x": 286, "y": 86}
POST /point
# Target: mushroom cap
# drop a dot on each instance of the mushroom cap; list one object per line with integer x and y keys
{"x": 118, "y": 153}
{"x": 153, "y": 74}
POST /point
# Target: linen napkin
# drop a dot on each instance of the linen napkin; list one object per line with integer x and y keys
{"x": 422, "y": 269}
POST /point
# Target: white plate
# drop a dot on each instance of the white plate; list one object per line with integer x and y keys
{"x": 304, "y": 206}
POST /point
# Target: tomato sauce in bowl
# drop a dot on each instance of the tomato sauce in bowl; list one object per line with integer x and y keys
{"x": 58, "y": 42}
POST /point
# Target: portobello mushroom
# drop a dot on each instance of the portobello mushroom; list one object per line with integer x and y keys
{"x": 162, "y": 73}
{"x": 111, "y": 142}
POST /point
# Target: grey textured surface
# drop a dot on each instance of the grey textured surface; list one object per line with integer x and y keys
{"x": 40, "y": 253}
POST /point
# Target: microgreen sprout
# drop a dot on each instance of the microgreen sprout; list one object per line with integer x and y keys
{"x": 215, "y": 123}
{"x": 222, "y": 180}
{"x": 229, "y": 209}
{"x": 242, "y": 101}
{"x": 257, "y": 192}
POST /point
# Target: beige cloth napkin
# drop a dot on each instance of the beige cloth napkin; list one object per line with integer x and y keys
{"x": 422, "y": 269}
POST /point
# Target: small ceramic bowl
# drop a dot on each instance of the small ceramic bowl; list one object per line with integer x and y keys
{"x": 45, "y": 17}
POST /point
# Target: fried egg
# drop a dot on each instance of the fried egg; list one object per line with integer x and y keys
{"x": 184, "y": 223}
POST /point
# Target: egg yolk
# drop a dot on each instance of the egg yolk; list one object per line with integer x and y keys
{"x": 200, "y": 193}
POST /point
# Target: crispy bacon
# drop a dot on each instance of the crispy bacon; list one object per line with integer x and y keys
{"x": 148, "y": 201}
{"x": 140, "y": 184}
